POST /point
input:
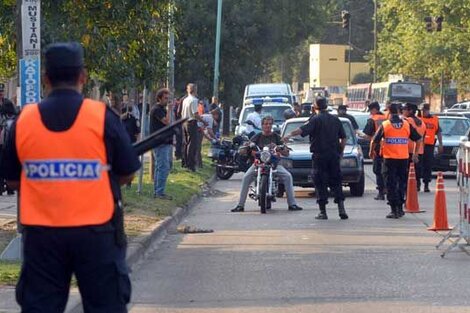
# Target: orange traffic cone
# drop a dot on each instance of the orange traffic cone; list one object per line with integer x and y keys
{"x": 412, "y": 204}
{"x": 440, "y": 206}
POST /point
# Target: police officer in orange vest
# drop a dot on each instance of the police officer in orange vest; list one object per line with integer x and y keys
{"x": 432, "y": 130}
{"x": 395, "y": 133}
{"x": 409, "y": 114}
{"x": 69, "y": 155}
{"x": 373, "y": 123}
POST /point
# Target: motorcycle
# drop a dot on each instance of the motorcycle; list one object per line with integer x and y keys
{"x": 230, "y": 156}
{"x": 266, "y": 184}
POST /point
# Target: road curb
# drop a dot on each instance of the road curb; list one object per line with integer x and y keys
{"x": 138, "y": 247}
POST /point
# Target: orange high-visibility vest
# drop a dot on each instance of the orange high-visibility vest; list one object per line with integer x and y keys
{"x": 421, "y": 129}
{"x": 395, "y": 141}
{"x": 432, "y": 126}
{"x": 64, "y": 181}
{"x": 378, "y": 120}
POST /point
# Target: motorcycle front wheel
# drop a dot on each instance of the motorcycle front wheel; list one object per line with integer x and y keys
{"x": 223, "y": 173}
{"x": 263, "y": 194}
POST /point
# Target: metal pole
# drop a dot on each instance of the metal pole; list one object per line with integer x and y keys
{"x": 375, "y": 42}
{"x": 171, "y": 55}
{"x": 442, "y": 91}
{"x": 142, "y": 135}
{"x": 215, "y": 92}
{"x": 349, "y": 52}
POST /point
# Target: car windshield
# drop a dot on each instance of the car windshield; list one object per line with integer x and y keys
{"x": 277, "y": 112}
{"x": 361, "y": 120}
{"x": 298, "y": 139}
{"x": 453, "y": 127}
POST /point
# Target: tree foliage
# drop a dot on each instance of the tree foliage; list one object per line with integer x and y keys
{"x": 125, "y": 40}
{"x": 406, "y": 47}
{"x": 260, "y": 41}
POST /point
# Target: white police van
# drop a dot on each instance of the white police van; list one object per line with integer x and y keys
{"x": 274, "y": 107}
{"x": 272, "y": 90}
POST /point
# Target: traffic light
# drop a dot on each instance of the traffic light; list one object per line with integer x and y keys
{"x": 428, "y": 21}
{"x": 438, "y": 20}
{"x": 345, "y": 16}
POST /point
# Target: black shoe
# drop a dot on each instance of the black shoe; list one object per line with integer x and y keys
{"x": 426, "y": 188}
{"x": 343, "y": 216}
{"x": 321, "y": 216}
{"x": 392, "y": 215}
{"x": 10, "y": 192}
{"x": 418, "y": 188}
{"x": 380, "y": 196}
{"x": 295, "y": 207}
{"x": 238, "y": 208}
{"x": 400, "y": 212}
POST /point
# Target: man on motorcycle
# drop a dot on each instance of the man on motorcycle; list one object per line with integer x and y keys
{"x": 265, "y": 139}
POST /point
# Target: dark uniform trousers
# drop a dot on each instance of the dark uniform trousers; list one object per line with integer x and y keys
{"x": 428, "y": 162}
{"x": 327, "y": 172}
{"x": 191, "y": 142}
{"x": 51, "y": 255}
{"x": 377, "y": 169}
{"x": 395, "y": 173}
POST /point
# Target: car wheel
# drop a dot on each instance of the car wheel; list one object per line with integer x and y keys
{"x": 357, "y": 189}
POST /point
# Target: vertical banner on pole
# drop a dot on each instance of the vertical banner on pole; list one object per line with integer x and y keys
{"x": 30, "y": 64}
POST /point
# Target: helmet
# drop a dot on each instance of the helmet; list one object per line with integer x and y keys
{"x": 289, "y": 113}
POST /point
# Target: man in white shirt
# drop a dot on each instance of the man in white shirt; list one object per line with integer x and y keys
{"x": 253, "y": 121}
{"x": 190, "y": 128}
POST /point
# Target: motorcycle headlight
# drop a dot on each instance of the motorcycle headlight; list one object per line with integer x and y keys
{"x": 287, "y": 163}
{"x": 265, "y": 156}
{"x": 350, "y": 162}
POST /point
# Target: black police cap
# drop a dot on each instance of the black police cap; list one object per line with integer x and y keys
{"x": 64, "y": 55}
{"x": 410, "y": 106}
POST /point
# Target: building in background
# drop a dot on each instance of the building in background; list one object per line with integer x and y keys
{"x": 329, "y": 65}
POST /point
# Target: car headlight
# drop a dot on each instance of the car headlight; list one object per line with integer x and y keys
{"x": 287, "y": 163}
{"x": 350, "y": 162}
{"x": 265, "y": 156}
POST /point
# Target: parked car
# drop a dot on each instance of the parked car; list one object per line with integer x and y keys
{"x": 361, "y": 119}
{"x": 275, "y": 109}
{"x": 459, "y": 107}
{"x": 454, "y": 113}
{"x": 299, "y": 162}
{"x": 453, "y": 128}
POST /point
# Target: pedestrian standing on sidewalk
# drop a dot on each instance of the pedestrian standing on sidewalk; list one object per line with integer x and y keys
{"x": 7, "y": 116}
{"x": 395, "y": 133}
{"x": 160, "y": 116}
{"x": 327, "y": 142}
{"x": 69, "y": 156}
{"x": 373, "y": 123}
{"x": 190, "y": 128}
{"x": 432, "y": 131}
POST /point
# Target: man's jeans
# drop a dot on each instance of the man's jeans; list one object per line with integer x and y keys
{"x": 163, "y": 159}
{"x": 285, "y": 176}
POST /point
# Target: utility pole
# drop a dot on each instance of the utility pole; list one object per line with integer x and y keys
{"x": 215, "y": 92}
{"x": 349, "y": 53}
{"x": 442, "y": 91}
{"x": 375, "y": 42}
{"x": 170, "y": 84}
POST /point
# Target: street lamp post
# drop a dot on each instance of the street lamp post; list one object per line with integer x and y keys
{"x": 215, "y": 92}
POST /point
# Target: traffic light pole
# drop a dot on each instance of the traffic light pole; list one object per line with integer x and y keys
{"x": 349, "y": 52}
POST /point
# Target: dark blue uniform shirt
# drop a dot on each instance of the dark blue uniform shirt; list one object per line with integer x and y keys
{"x": 58, "y": 113}
{"x": 325, "y": 131}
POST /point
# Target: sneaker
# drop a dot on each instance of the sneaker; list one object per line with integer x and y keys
{"x": 295, "y": 207}
{"x": 163, "y": 197}
{"x": 238, "y": 208}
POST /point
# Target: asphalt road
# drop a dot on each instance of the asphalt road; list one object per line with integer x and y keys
{"x": 289, "y": 262}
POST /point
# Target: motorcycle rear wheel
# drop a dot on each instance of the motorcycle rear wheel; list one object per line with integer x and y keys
{"x": 224, "y": 173}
